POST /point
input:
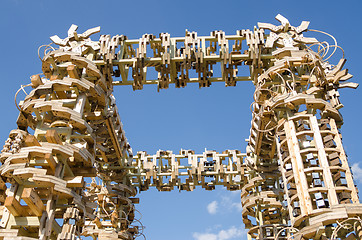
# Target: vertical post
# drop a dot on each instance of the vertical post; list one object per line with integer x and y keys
{"x": 298, "y": 169}
{"x": 327, "y": 175}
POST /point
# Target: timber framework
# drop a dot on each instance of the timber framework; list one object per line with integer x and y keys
{"x": 68, "y": 170}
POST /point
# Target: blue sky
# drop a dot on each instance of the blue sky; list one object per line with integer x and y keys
{"x": 216, "y": 118}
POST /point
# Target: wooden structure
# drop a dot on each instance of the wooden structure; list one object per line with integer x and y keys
{"x": 69, "y": 171}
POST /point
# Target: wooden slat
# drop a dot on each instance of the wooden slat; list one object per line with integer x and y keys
{"x": 72, "y": 71}
{"x": 33, "y": 200}
{"x": 298, "y": 169}
{"x": 31, "y": 140}
{"x": 323, "y": 161}
{"x": 14, "y": 206}
{"x": 49, "y": 158}
{"x": 53, "y": 137}
{"x": 77, "y": 181}
{"x": 36, "y": 81}
{"x": 343, "y": 158}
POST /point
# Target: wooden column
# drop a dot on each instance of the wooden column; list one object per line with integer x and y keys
{"x": 285, "y": 182}
{"x": 343, "y": 158}
{"x": 298, "y": 169}
{"x": 323, "y": 161}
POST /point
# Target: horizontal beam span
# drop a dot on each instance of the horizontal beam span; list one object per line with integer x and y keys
{"x": 191, "y": 80}
{"x": 166, "y": 170}
{"x": 151, "y": 61}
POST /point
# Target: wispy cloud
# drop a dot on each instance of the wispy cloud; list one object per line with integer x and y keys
{"x": 212, "y": 207}
{"x": 357, "y": 172}
{"x": 204, "y": 236}
{"x": 230, "y": 233}
{"x": 228, "y": 202}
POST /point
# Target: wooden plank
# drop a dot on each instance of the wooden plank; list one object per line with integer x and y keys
{"x": 31, "y": 140}
{"x": 79, "y": 106}
{"x": 285, "y": 182}
{"x": 6, "y": 214}
{"x": 36, "y": 81}
{"x": 46, "y": 228}
{"x": 24, "y": 221}
{"x": 114, "y": 138}
{"x": 33, "y": 200}
{"x": 77, "y": 181}
{"x": 53, "y": 137}
{"x": 298, "y": 169}
{"x": 343, "y": 158}
{"x": 72, "y": 71}
{"x": 14, "y": 206}
{"x": 323, "y": 161}
{"x": 49, "y": 158}
{"x": 104, "y": 157}
{"x": 9, "y": 233}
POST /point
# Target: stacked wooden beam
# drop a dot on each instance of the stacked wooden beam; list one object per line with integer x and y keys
{"x": 186, "y": 170}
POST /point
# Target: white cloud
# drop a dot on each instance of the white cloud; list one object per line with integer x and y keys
{"x": 204, "y": 236}
{"x": 228, "y": 202}
{"x": 237, "y": 206}
{"x": 231, "y": 233}
{"x": 357, "y": 172}
{"x": 212, "y": 207}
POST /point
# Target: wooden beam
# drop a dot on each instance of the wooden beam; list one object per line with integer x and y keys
{"x": 75, "y": 182}
{"x": 114, "y": 138}
{"x": 323, "y": 161}
{"x": 72, "y": 71}
{"x": 31, "y": 140}
{"x": 33, "y": 200}
{"x": 343, "y": 158}
{"x": 36, "y": 81}
{"x": 49, "y": 158}
{"x": 14, "y": 206}
{"x": 53, "y": 137}
{"x": 298, "y": 169}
